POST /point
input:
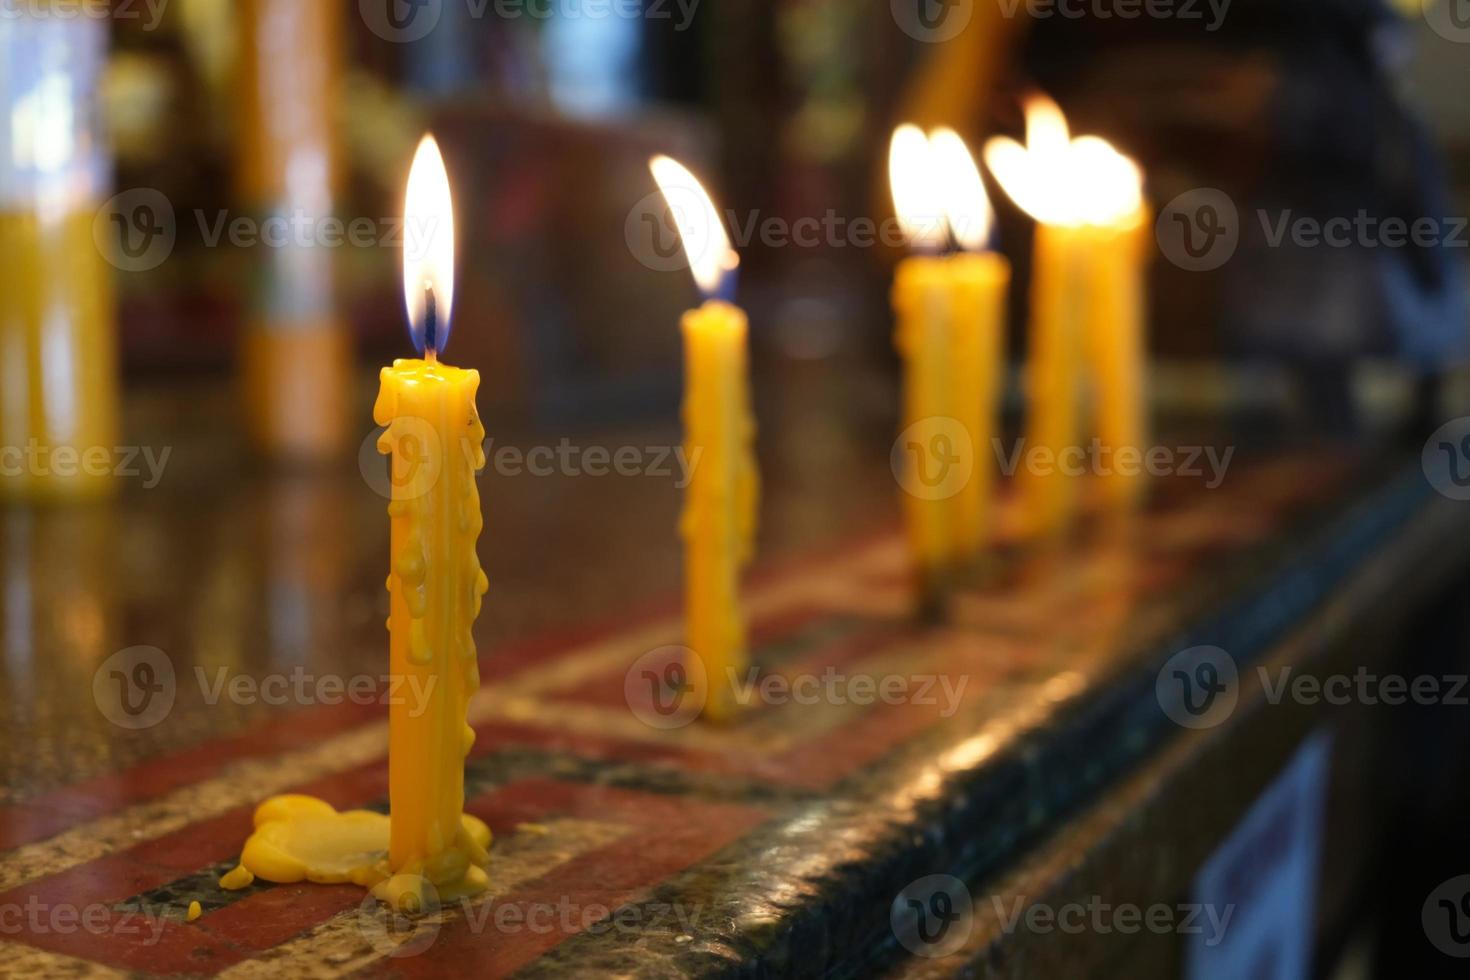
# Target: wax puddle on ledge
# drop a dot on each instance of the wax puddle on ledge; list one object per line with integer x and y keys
{"x": 301, "y": 838}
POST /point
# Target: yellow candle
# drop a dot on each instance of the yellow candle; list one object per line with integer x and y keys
{"x": 933, "y": 465}
{"x": 950, "y": 320}
{"x": 436, "y": 440}
{"x": 718, "y": 524}
{"x": 427, "y": 848}
{"x": 58, "y": 362}
{"x": 295, "y": 356}
{"x": 721, "y": 504}
{"x": 1047, "y": 480}
{"x": 1116, "y": 353}
{"x": 978, "y": 284}
{"x": 1086, "y": 306}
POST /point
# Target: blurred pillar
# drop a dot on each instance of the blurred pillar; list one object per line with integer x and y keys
{"x": 58, "y": 360}
{"x": 295, "y": 358}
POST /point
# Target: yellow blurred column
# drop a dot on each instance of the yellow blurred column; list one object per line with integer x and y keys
{"x": 58, "y": 373}
{"x": 295, "y": 364}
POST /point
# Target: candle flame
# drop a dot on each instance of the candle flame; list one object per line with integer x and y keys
{"x": 917, "y": 198}
{"x": 428, "y": 250}
{"x": 712, "y": 260}
{"x": 1061, "y": 180}
{"x": 967, "y": 206}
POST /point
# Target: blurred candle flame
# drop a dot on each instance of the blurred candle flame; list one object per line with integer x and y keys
{"x": 428, "y": 251}
{"x": 712, "y": 260}
{"x": 917, "y": 198}
{"x": 967, "y": 207}
{"x": 1059, "y": 180}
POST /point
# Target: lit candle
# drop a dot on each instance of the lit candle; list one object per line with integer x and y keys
{"x": 1086, "y": 307}
{"x": 949, "y": 313}
{"x": 978, "y": 281}
{"x": 720, "y": 509}
{"x": 437, "y": 443}
{"x": 426, "y": 848}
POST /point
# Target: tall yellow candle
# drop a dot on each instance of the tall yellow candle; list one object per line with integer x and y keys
{"x": 427, "y": 848}
{"x": 949, "y": 314}
{"x": 1047, "y": 480}
{"x": 978, "y": 285}
{"x": 934, "y": 465}
{"x": 1086, "y": 307}
{"x": 720, "y": 508}
{"x": 1116, "y": 352}
{"x": 978, "y": 280}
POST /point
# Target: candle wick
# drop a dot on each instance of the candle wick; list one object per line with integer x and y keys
{"x": 431, "y": 323}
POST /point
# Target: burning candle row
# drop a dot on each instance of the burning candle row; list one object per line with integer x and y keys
{"x": 1086, "y": 326}
{"x": 950, "y": 306}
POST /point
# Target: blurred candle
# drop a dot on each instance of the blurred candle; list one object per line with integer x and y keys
{"x": 978, "y": 281}
{"x": 1086, "y": 309}
{"x": 720, "y": 509}
{"x": 949, "y": 313}
{"x": 922, "y": 335}
{"x": 58, "y": 361}
{"x": 295, "y": 354}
